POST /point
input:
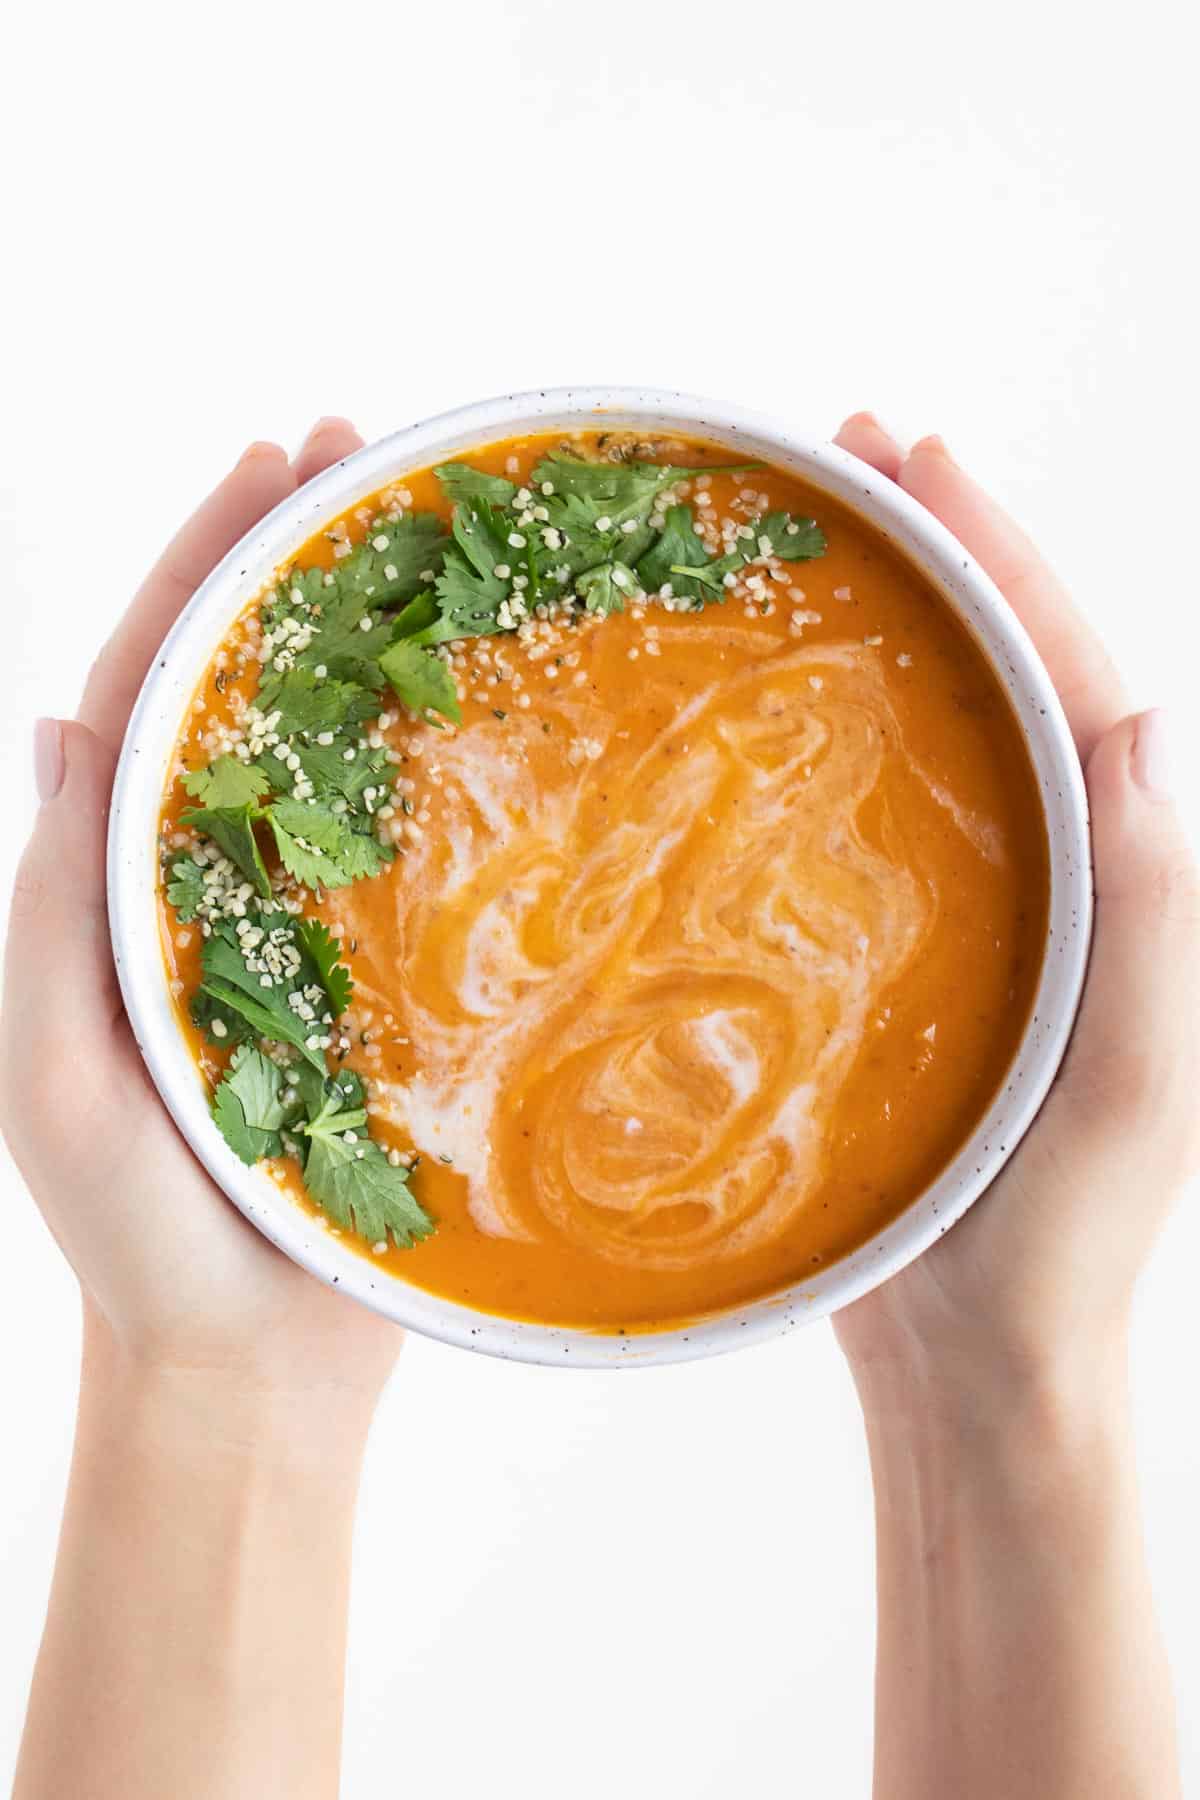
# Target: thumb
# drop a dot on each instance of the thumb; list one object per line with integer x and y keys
{"x": 60, "y": 983}
{"x": 1131, "y": 1073}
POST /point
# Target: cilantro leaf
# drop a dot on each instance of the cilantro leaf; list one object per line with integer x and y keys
{"x": 226, "y": 783}
{"x": 601, "y": 510}
{"x": 248, "y": 1106}
{"x": 605, "y": 589}
{"x": 248, "y": 1145}
{"x": 352, "y": 1086}
{"x": 310, "y": 1087}
{"x": 303, "y": 859}
{"x": 333, "y": 777}
{"x": 358, "y": 1187}
{"x": 421, "y": 679}
{"x": 677, "y": 546}
{"x": 332, "y": 618}
{"x": 208, "y": 1012}
{"x": 633, "y": 545}
{"x": 231, "y": 828}
{"x": 229, "y": 980}
{"x": 416, "y": 616}
{"x": 185, "y": 889}
{"x": 342, "y": 612}
{"x": 618, "y": 491}
{"x": 324, "y": 949}
{"x": 266, "y": 1020}
{"x": 793, "y": 540}
{"x": 350, "y": 1177}
{"x": 587, "y": 533}
{"x": 321, "y": 848}
{"x": 341, "y": 1110}
{"x": 583, "y": 544}
{"x": 462, "y": 482}
{"x": 306, "y": 704}
{"x": 398, "y": 558}
{"x": 469, "y": 591}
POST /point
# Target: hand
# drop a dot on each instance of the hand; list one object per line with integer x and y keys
{"x": 171, "y": 1273}
{"x": 1039, "y": 1274}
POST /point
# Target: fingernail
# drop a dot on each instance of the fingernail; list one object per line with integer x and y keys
{"x": 327, "y": 422}
{"x": 873, "y": 418}
{"x": 48, "y": 762}
{"x": 319, "y": 427}
{"x": 1152, "y": 752}
{"x": 260, "y": 448}
{"x": 935, "y": 445}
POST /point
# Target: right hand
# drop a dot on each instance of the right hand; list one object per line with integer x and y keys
{"x": 1041, "y": 1271}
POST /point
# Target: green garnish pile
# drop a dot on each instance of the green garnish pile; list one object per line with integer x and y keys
{"x": 303, "y": 778}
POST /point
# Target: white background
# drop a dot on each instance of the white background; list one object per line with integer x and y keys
{"x": 229, "y": 219}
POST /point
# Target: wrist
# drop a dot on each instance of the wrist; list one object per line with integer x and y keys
{"x": 197, "y": 1630}
{"x": 1038, "y": 1395}
{"x": 235, "y": 1426}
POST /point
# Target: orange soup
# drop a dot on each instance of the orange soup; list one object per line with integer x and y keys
{"x": 693, "y": 900}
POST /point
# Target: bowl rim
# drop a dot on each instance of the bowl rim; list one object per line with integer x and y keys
{"x": 153, "y": 730}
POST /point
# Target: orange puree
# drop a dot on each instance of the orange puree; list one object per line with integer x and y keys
{"x": 710, "y": 940}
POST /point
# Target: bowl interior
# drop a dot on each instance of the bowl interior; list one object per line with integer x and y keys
{"x": 168, "y": 690}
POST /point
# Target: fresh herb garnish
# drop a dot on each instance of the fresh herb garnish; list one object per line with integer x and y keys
{"x": 341, "y": 618}
{"x": 423, "y": 682}
{"x": 185, "y": 888}
{"x": 222, "y": 1025}
{"x": 605, "y": 589}
{"x": 226, "y": 783}
{"x": 335, "y": 775}
{"x": 308, "y": 703}
{"x": 266, "y": 974}
{"x": 231, "y": 828}
{"x": 248, "y": 1105}
{"x": 462, "y": 482}
{"x": 308, "y": 781}
{"x": 323, "y": 947}
{"x": 598, "y": 513}
{"x": 678, "y": 544}
{"x": 618, "y": 491}
{"x": 792, "y": 540}
{"x": 350, "y": 1176}
{"x": 321, "y": 848}
{"x": 477, "y": 581}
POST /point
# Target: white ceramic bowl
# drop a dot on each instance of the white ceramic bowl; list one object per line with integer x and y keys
{"x": 168, "y": 690}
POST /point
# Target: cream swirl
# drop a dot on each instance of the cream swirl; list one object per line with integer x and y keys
{"x": 634, "y": 993}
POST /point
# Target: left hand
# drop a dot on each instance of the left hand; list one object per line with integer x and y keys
{"x": 171, "y": 1273}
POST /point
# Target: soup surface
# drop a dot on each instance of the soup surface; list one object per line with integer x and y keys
{"x": 709, "y": 935}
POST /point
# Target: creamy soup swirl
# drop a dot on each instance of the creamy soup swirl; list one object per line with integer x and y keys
{"x": 637, "y": 1035}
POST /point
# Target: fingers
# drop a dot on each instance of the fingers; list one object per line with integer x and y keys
{"x": 1079, "y": 667}
{"x": 60, "y": 984}
{"x": 59, "y": 918}
{"x": 1131, "y": 1075}
{"x": 863, "y": 436}
{"x": 328, "y": 442}
{"x": 259, "y": 482}
{"x": 1077, "y": 661}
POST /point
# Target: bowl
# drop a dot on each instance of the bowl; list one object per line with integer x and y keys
{"x": 167, "y": 692}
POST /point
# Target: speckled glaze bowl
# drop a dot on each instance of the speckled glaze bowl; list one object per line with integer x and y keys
{"x": 168, "y": 690}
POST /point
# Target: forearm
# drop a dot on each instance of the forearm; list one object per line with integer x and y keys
{"x": 196, "y": 1633}
{"x": 1017, "y": 1651}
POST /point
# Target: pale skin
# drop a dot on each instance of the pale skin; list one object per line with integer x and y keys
{"x": 195, "y": 1637}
